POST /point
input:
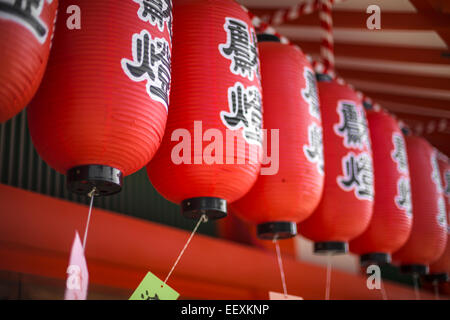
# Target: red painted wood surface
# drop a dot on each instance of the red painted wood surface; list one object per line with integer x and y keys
{"x": 36, "y": 233}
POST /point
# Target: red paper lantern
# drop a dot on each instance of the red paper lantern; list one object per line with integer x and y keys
{"x": 102, "y": 107}
{"x": 347, "y": 202}
{"x": 210, "y": 151}
{"x": 440, "y": 269}
{"x": 429, "y": 230}
{"x": 26, "y": 30}
{"x": 290, "y": 186}
{"x": 391, "y": 221}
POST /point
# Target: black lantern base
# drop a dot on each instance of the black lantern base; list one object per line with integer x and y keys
{"x": 419, "y": 269}
{"x": 266, "y": 37}
{"x": 436, "y": 277}
{"x": 322, "y": 77}
{"x": 378, "y": 258}
{"x": 213, "y": 208}
{"x": 330, "y": 247}
{"x": 105, "y": 179}
{"x": 276, "y": 229}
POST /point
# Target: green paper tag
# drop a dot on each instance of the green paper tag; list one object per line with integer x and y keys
{"x": 152, "y": 288}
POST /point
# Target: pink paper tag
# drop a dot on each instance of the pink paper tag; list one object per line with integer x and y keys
{"x": 281, "y": 296}
{"x": 77, "y": 273}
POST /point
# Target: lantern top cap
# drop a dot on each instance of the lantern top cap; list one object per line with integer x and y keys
{"x": 266, "y": 37}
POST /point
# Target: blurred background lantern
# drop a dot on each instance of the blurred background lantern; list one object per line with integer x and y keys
{"x": 290, "y": 185}
{"x": 210, "y": 154}
{"x": 346, "y": 206}
{"x": 429, "y": 230}
{"x": 26, "y": 31}
{"x": 440, "y": 269}
{"x": 391, "y": 221}
{"x": 102, "y": 107}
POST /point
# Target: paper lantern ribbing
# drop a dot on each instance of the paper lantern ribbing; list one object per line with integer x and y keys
{"x": 346, "y": 206}
{"x": 391, "y": 221}
{"x": 210, "y": 154}
{"x": 101, "y": 111}
{"x": 440, "y": 270}
{"x": 26, "y": 30}
{"x": 429, "y": 230}
{"x": 289, "y": 188}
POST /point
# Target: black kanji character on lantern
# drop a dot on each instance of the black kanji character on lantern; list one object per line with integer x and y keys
{"x": 447, "y": 182}
{"x": 245, "y": 112}
{"x": 254, "y": 50}
{"x": 358, "y": 175}
{"x": 435, "y": 172}
{"x": 399, "y": 152}
{"x": 157, "y": 12}
{"x": 27, "y": 12}
{"x": 365, "y": 129}
{"x": 148, "y": 297}
{"x": 314, "y": 151}
{"x": 142, "y": 69}
{"x": 310, "y": 93}
{"x": 442, "y": 216}
{"x": 160, "y": 57}
{"x": 403, "y": 198}
{"x": 151, "y": 62}
{"x": 352, "y": 126}
{"x": 240, "y": 49}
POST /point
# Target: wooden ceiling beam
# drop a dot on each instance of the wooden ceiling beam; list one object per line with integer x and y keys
{"x": 396, "y": 79}
{"x": 388, "y": 53}
{"x": 357, "y": 20}
{"x": 412, "y": 103}
{"x": 414, "y": 118}
{"x": 434, "y": 17}
{"x": 441, "y": 5}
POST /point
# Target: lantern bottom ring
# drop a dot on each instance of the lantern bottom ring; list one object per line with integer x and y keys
{"x": 378, "y": 258}
{"x": 276, "y": 230}
{"x": 436, "y": 277}
{"x": 322, "y": 77}
{"x": 330, "y": 247}
{"x": 267, "y": 37}
{"x": 106, "y": 180}
{"x": 213, "y": 208}
{"x": 419, "y": 269}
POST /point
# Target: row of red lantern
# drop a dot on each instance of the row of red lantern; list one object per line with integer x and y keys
{"x": 440, "y": 269}
{"x": 26, "y": 32}
{"x": 103, "y": 108}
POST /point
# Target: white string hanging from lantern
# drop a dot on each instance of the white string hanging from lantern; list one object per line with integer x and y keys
{"x": 90, "y": 195}
{"x": 280, "y": 266}
{"x": 203, "y": 218}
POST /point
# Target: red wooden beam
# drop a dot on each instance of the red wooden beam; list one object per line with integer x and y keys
{"x": 434, "y": 104}
{"x": 441, "y": 5}
{"x": 436, "y": 19}
{"x": 396, "y": 79}
{"x": 36, "y": 233}
{"x": 357, "y": 20}
{"x": 388, "y": 53}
